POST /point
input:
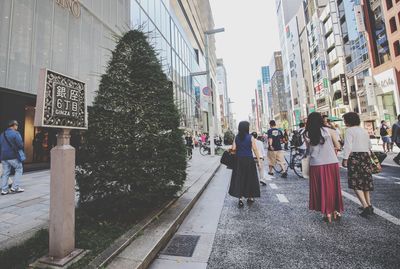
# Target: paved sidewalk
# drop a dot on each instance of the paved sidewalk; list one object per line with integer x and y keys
{"x": 22, "y": 214}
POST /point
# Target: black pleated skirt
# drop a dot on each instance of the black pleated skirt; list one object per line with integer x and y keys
{"x": 244, "y": 180}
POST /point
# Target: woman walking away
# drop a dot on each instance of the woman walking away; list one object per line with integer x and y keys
{"x": 244, "y": 180}
{"x": 356, "y": 158}
{"x": 325, "y": 190}
{"x": 286, "y": 139}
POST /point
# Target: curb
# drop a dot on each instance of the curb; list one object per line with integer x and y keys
{"x": 126, "y": 239}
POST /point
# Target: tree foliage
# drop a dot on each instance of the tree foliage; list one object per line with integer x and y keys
{"x": 229, "y": 136}
{"x": 133, "y": 155}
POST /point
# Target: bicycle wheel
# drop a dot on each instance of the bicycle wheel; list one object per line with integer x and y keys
{"x": 277, "y": 168}
{"x": 297, "y": 168}
{"x": 204, "y": 150}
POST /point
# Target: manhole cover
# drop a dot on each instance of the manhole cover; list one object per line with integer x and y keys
{"x": 181, "y": 245}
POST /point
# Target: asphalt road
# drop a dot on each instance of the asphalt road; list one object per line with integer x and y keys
{"x": 278, "y": 231}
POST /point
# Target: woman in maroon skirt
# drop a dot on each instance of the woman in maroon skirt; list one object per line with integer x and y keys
{"x": 325, "y": 190}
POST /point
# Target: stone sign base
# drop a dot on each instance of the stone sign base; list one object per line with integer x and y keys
{"x": 50, "y": 262}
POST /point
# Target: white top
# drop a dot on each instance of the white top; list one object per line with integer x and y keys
{"x": 322, "y": 154}
{"x": 356, "y": 139}
{"x": 260, "y": 148}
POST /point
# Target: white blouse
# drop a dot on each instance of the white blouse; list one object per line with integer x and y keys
{"x": 356, "y": 139}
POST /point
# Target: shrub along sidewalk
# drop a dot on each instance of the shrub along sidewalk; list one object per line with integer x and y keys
{"x": 97, "y": 235}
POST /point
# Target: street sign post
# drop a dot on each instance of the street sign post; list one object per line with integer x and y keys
{"x": 61, "y": 103}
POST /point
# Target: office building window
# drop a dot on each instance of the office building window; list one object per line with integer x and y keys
{"x": 396, "y": 46}
{"x": 389, "y": 4}
{"x": 393, "y": 26}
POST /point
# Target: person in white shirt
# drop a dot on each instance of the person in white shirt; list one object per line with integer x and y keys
{"x": 356, "y": 157}
{"x": 260, "y": 164}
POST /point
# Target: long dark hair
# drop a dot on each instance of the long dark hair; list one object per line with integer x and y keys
{"x": 313, "y": 128}
{"x": 244, "y": 127}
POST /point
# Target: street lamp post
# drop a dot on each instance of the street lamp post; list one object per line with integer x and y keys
{"x": 212, "y": 106}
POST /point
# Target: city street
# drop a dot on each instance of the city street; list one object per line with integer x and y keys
{"x": 279, "y": 231}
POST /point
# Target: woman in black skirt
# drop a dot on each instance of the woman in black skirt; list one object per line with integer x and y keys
{"x": 244, "y": 180}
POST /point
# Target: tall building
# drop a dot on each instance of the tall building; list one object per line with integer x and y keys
{"x": 222, "y": 83}
{"x": 76, "y": 41}
{"x": 295, "y": 68}
{"x": 303, "y": 17}
{"x": 358, "y": 69}
{"x": 267, "y": 95}
{"x": 334, "y": 28}
{"x": 280, "y": 107}
{"x": 382, "y": 23}
{"x": 286, "y": 10}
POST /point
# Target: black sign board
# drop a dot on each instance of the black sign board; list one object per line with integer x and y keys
{"x": 345, "y": 92}
{"x": 61, "y": 102}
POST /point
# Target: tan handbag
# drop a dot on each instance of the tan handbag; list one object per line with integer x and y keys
{"x": 305, "y": 167}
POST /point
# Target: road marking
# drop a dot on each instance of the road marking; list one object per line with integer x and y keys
{"x": 377, "y": 211}
{"x": 282, "y": 198}
{"x": 398, "y": 178}
{"x": 379, "y": 177}
{"x": 397, "y": 183}
{"x": 273, "y": 186}
{"x": 268, "y": 177}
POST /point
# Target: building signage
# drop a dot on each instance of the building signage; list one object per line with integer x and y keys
{"x": 206, "y": 91}
{"x": 345, "y": 92}
{"x": 72, "y": 5}
{"x": 370, "y": 91}
{"x": 326, "y": 83}
{"x": 358, "y": 10}
{"x": 385, "y": 81}
{"x": 321, "y": 102}
{"x": 61, "y": 102}
{"x": 197, "y": 107}
{"x": 323, "y": 66}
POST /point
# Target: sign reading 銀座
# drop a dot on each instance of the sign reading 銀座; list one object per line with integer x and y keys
{"x": 61, "y": 102}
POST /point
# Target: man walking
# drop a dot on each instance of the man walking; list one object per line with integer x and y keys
{"x": 396, "y": 138}
{"x": 385, "y": 136}
{"x": 275, "y": 152}
{"x": 10, "y": 144}
{"x": 260, "y": 164}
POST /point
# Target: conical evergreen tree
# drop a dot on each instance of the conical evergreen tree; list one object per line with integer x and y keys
{"x": 133, "y": 155}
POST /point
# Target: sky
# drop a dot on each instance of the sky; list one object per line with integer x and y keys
{"x": 250, "y": 37}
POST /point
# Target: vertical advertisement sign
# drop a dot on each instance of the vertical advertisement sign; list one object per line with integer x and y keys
{"x": 197, "y": 97}
{"x": 345, "y": 93}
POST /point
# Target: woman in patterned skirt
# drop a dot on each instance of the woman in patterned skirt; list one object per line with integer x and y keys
{"x": 356, "y": 158}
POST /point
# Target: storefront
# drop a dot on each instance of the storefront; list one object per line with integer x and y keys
{"x": 21, "y": 107}
{"x": 386, "y": 90}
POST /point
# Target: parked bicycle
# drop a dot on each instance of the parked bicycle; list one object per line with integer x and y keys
{"x": 205, "y": 149}
{"x": 294, "y": 162}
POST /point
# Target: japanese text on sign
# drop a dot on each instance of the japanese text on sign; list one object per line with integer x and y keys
{"x": 66, "y": 101}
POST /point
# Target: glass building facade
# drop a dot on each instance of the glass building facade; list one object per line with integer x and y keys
{"x": 177, "y": 55}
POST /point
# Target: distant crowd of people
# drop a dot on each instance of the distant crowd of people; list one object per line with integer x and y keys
{"x": 320, "y": 141}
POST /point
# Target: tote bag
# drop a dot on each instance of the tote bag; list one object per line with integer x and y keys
{"x": 305, "y": 167}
